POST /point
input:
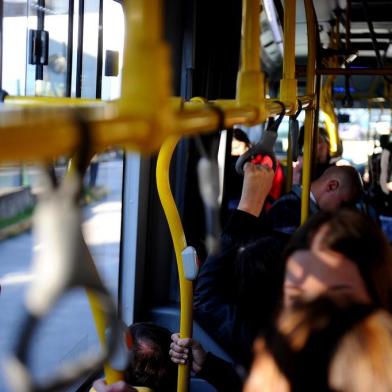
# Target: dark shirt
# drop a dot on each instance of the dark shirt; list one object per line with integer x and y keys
{"x": 284, "y": 217}
{"x": 221, "y": 374}
{"x": 236, "y": 290}
{"x": 239, "y": 290}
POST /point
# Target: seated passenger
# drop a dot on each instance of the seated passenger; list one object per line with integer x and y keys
{"x": 151, "y": 366}
{"x": 325, "y": 345}
{"x": 219, "y": 373}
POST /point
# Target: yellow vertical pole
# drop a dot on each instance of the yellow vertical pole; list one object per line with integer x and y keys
{"x": 250, "y": 53}
{"x": 288, "y": 85}
{"x": 250, "y": 78}
{"x": 309, "y": 116}
{"x": 179, "y": 242}
{"x": 146, "y": 79}
{"x": 289, "y": 167}
{"x": 111, "y": 375}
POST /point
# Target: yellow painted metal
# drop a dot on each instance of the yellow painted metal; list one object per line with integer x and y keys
{"x": 309, "y": 116}
{"x": 288, "y": 85}
{"x": 111, "y": 375}
{"x": 179, "y": 242}
{"x": 330, "y": 118}
{"x": 326, "y": 99}
{"x": 200, "y": 100}
{"x": 250, "y": 79}
{"x": 146, "y": 80}
{"x": 51, "y": 101}
{"x": 40, "y": 134}
{"x": 289, "y": 167}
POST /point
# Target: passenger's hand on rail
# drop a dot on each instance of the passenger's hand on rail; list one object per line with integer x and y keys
{"x": 297, "y": 171}
{"x": 182, "y": 349}
{"x": 120, "y": 386}
{"x": 257, "y": 184}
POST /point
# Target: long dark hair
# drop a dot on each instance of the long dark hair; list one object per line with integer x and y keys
{"x": 361, "y": 240}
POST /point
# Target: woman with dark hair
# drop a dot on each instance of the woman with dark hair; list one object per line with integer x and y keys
{"x": 329, "y": 344}
{"x": 341, "y": 251}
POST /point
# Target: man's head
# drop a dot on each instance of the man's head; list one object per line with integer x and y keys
{"x": 151, "y": 365}
{"x": 337, "y": 186}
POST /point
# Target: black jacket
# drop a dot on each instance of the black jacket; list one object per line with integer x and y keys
{"x": 221, "y": 374}
{"x": 238, "y": 290}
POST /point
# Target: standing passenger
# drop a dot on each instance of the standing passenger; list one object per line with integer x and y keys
{"x": 342, "y": 252}
{"x": 237, "y": 291}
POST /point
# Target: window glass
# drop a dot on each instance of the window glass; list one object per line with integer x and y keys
{"x": 113, "y": 47}
{"x": 69, "y": 330}
{"x": 14, "y": 47}
{"x": 55, "y": 22}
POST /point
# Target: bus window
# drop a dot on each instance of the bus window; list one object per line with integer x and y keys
{"x": 69, "y": 330}
{"x": 14, "y": 47}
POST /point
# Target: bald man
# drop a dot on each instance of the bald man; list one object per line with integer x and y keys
{"x": 337, "y": 186}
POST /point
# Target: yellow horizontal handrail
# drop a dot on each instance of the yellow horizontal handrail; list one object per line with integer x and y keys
{"x": 52, "y": 101}
{"x": 42, "y": 133}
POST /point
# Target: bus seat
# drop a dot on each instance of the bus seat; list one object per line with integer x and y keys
{"x": 199, "y": 385}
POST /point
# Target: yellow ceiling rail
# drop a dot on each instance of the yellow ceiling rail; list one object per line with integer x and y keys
{"x": 42, "y": 133}
{"x": 143, "y": 117}
{"x": 288, "y": 85}
{"x": 51, "y": 101}
{"x": 309, "y": 115}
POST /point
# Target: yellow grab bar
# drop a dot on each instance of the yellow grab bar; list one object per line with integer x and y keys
{"x": 179, "y": 242}
{"x": 111, "y": 375}
{"x": 51, "y": 101}
{"x": 146, "y": 79}
{"x": 250, "y": 78}
{"x": 309, "y": 115}
{"x": 330, "y": 121}
{"x": 288, "y": 85}
{"x": 30, "y": 134}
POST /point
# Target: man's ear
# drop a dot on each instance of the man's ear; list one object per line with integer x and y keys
{"x": 333, "y": 185}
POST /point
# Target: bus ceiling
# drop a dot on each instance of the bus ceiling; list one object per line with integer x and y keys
{"x": 355, "y": 38}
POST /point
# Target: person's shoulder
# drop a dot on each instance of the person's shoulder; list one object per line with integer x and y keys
{"x": 286, "y": 207}
{"x": 293, "y": 196}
